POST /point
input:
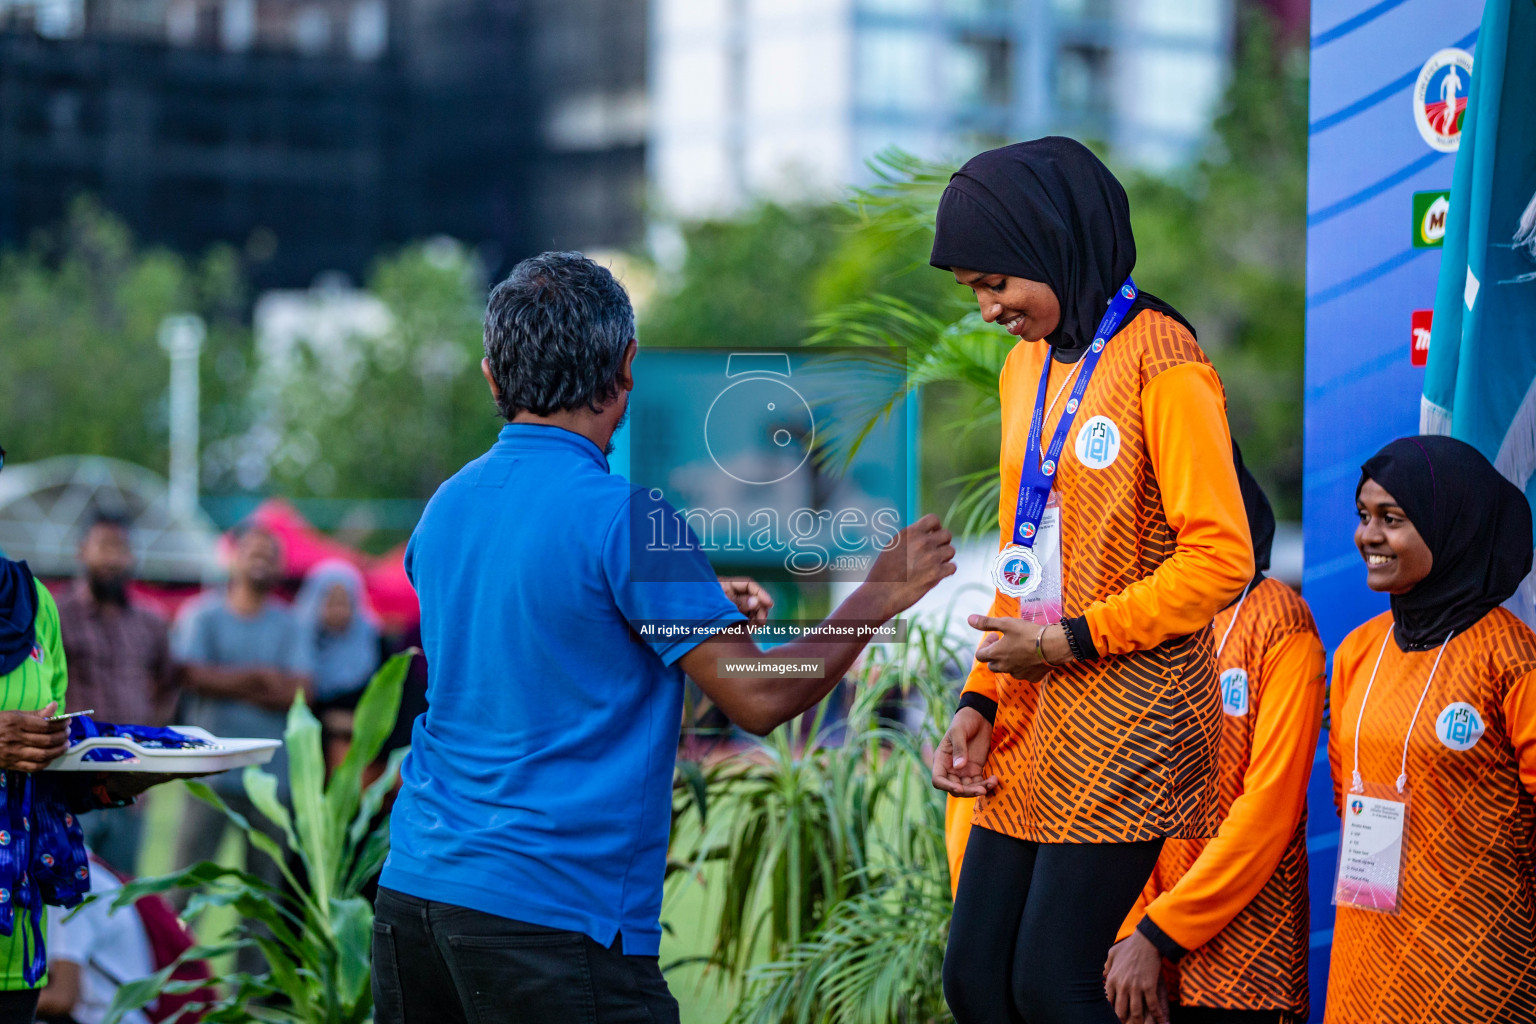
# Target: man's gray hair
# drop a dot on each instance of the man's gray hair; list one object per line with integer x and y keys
{"x": 556, "y": 331}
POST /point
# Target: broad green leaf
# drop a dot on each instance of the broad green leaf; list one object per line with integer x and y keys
{"x": 353, "y": 921}
{"x": 306, "y": 779}
{"x": 261, "y": 787}
{"x": 373, "y": 801}
{"x": 372, "y": 722}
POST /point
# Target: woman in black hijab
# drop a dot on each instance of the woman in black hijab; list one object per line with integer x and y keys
{"x": 1090, "y": 722}
{"x": 1434, "y": 737}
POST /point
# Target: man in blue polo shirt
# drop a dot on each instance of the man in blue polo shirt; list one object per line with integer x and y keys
{"x": 529, "y": 840}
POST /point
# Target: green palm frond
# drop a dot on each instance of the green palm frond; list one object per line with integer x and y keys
{"x": 878, "y": 960}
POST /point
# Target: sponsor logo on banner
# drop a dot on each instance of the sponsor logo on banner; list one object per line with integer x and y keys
{"x": 1429, "y": 210}
{"x": 1420, "y": 349}
{"x": 1459, "y": 726}
{"x": 1440, "y": 98}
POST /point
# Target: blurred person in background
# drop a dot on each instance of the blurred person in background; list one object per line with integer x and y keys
{"x": 1232, "y": 913}
{"x": 243, "y": 660}
{"x": 338, "y": 628}
{"x": 92, "y": 952}
{"x": 120, "y": 664}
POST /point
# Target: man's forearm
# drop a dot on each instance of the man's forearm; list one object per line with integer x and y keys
{"x": 783, "y": 698}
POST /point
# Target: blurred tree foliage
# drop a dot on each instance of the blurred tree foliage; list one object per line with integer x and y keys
{"x": 387, "y": 415}
{"x": 81, "y": 369}
{"x": 364, "y": 416}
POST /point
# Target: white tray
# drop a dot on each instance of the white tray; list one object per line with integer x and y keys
{"x": 224, "y": 755}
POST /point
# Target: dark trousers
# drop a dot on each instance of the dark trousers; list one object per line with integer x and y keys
{"x": 1212, "y": 1015}
{"x": 1033, "y": 925}
{"x": 435, "y": 963}
{"x": 18, "y": 1006}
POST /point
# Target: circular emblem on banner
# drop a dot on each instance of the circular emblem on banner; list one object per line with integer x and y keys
{"x": 1127, "y": 291}
{"x": 1016, "y": 571}
{"x": 1071, "y": 406}
{"x": 1098, "y": 344}
{"x": 1048, "y": 467}
{"x": 1459, "y": 726}
{"x": 1098, "y": 443}
{"x": 1234, "y": 691}
{"x": 1440, "y": 98}
{"x": 1028, "y": 530}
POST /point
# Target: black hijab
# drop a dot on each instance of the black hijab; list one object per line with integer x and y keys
{"x": 1048, "y": 211}
{"x": 1261, "y": 517}
{"x": 18, "y": 615}
{"x": 1476, "y": 524}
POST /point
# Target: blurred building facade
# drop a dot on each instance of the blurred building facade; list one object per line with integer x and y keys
{"x": 314, "y": 133}
{"x": 789, "y": 98}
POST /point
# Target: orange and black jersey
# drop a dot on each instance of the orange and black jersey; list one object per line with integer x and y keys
{"x": 1154, "y": 541}
{"x": 1462, "y": 947}
{"x": 1234, "y": 910}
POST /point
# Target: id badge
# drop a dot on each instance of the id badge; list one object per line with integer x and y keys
{"x": 1043, "y": 605}
{"x": 1371, "y": 849}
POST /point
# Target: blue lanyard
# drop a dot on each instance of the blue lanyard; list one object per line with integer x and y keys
{"x": 1037, "y": 476}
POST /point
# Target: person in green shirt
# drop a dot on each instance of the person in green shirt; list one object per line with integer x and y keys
{"x": 32, "y": 683}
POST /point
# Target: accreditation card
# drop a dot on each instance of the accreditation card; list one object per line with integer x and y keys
{"x": 1371, "y": 849}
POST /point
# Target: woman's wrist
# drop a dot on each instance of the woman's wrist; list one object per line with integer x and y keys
{"x": 1054, "y": 647}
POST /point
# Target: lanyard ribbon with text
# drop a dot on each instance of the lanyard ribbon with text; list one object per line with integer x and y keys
{"x": 1016, "y": 571}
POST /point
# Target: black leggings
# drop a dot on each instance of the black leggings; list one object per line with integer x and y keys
{"x": 1033, "y": 923}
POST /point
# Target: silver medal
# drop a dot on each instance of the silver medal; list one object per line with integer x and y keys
{"x": 1016, "y": 571}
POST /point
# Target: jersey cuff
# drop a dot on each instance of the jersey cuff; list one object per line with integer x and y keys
{"x": 1079, "y": 638}
{"x": 982, "y": 703}
{"x": 1152, "y": 933}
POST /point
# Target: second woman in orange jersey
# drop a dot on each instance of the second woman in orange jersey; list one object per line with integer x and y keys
{"x": 1090, "y": 721}
{"x": 1433, "y": 750}
{"x": 1232, "y": 912}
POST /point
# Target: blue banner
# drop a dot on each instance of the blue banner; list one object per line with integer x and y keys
{"x": 1390, "y": 82}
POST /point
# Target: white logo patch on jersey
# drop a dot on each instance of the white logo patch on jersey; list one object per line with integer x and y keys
{"x": 1459, "y": 726}
{"x": 1098, "y": 443}
{"x": 1234, "y": 691}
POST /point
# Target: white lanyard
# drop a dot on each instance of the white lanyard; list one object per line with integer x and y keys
{"x": 1402, "y": 771}
{"x": 1235, "y": 613}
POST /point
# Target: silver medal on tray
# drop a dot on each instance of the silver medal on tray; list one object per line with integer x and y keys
{"x": 1016, "y": 571}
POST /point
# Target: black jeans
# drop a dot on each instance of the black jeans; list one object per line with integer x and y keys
{"x": 1033, "y": 924}
{"x": 435, "y": 963}
{"x": 1212, "y": 1015}
{"x": 18, "y": 1006}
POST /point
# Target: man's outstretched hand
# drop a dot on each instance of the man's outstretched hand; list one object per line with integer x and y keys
{"x": 912, "y": 564}
{"x": 749, "y": 597}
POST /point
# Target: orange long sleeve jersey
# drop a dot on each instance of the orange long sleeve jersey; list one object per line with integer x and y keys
{"x": 1233, "y": 910}
{"x": 1121, "y": 746}
{"x": 1462, "y": 946}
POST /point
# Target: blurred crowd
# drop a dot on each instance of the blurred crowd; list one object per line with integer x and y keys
{"x": 233, "y": 661}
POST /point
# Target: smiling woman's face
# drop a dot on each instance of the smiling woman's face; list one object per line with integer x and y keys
{"x": 1396, "y": 557}
{"x": 1027, "y": 309}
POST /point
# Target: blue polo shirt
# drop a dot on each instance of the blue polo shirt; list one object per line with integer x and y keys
{"x": 539, "y": 782}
